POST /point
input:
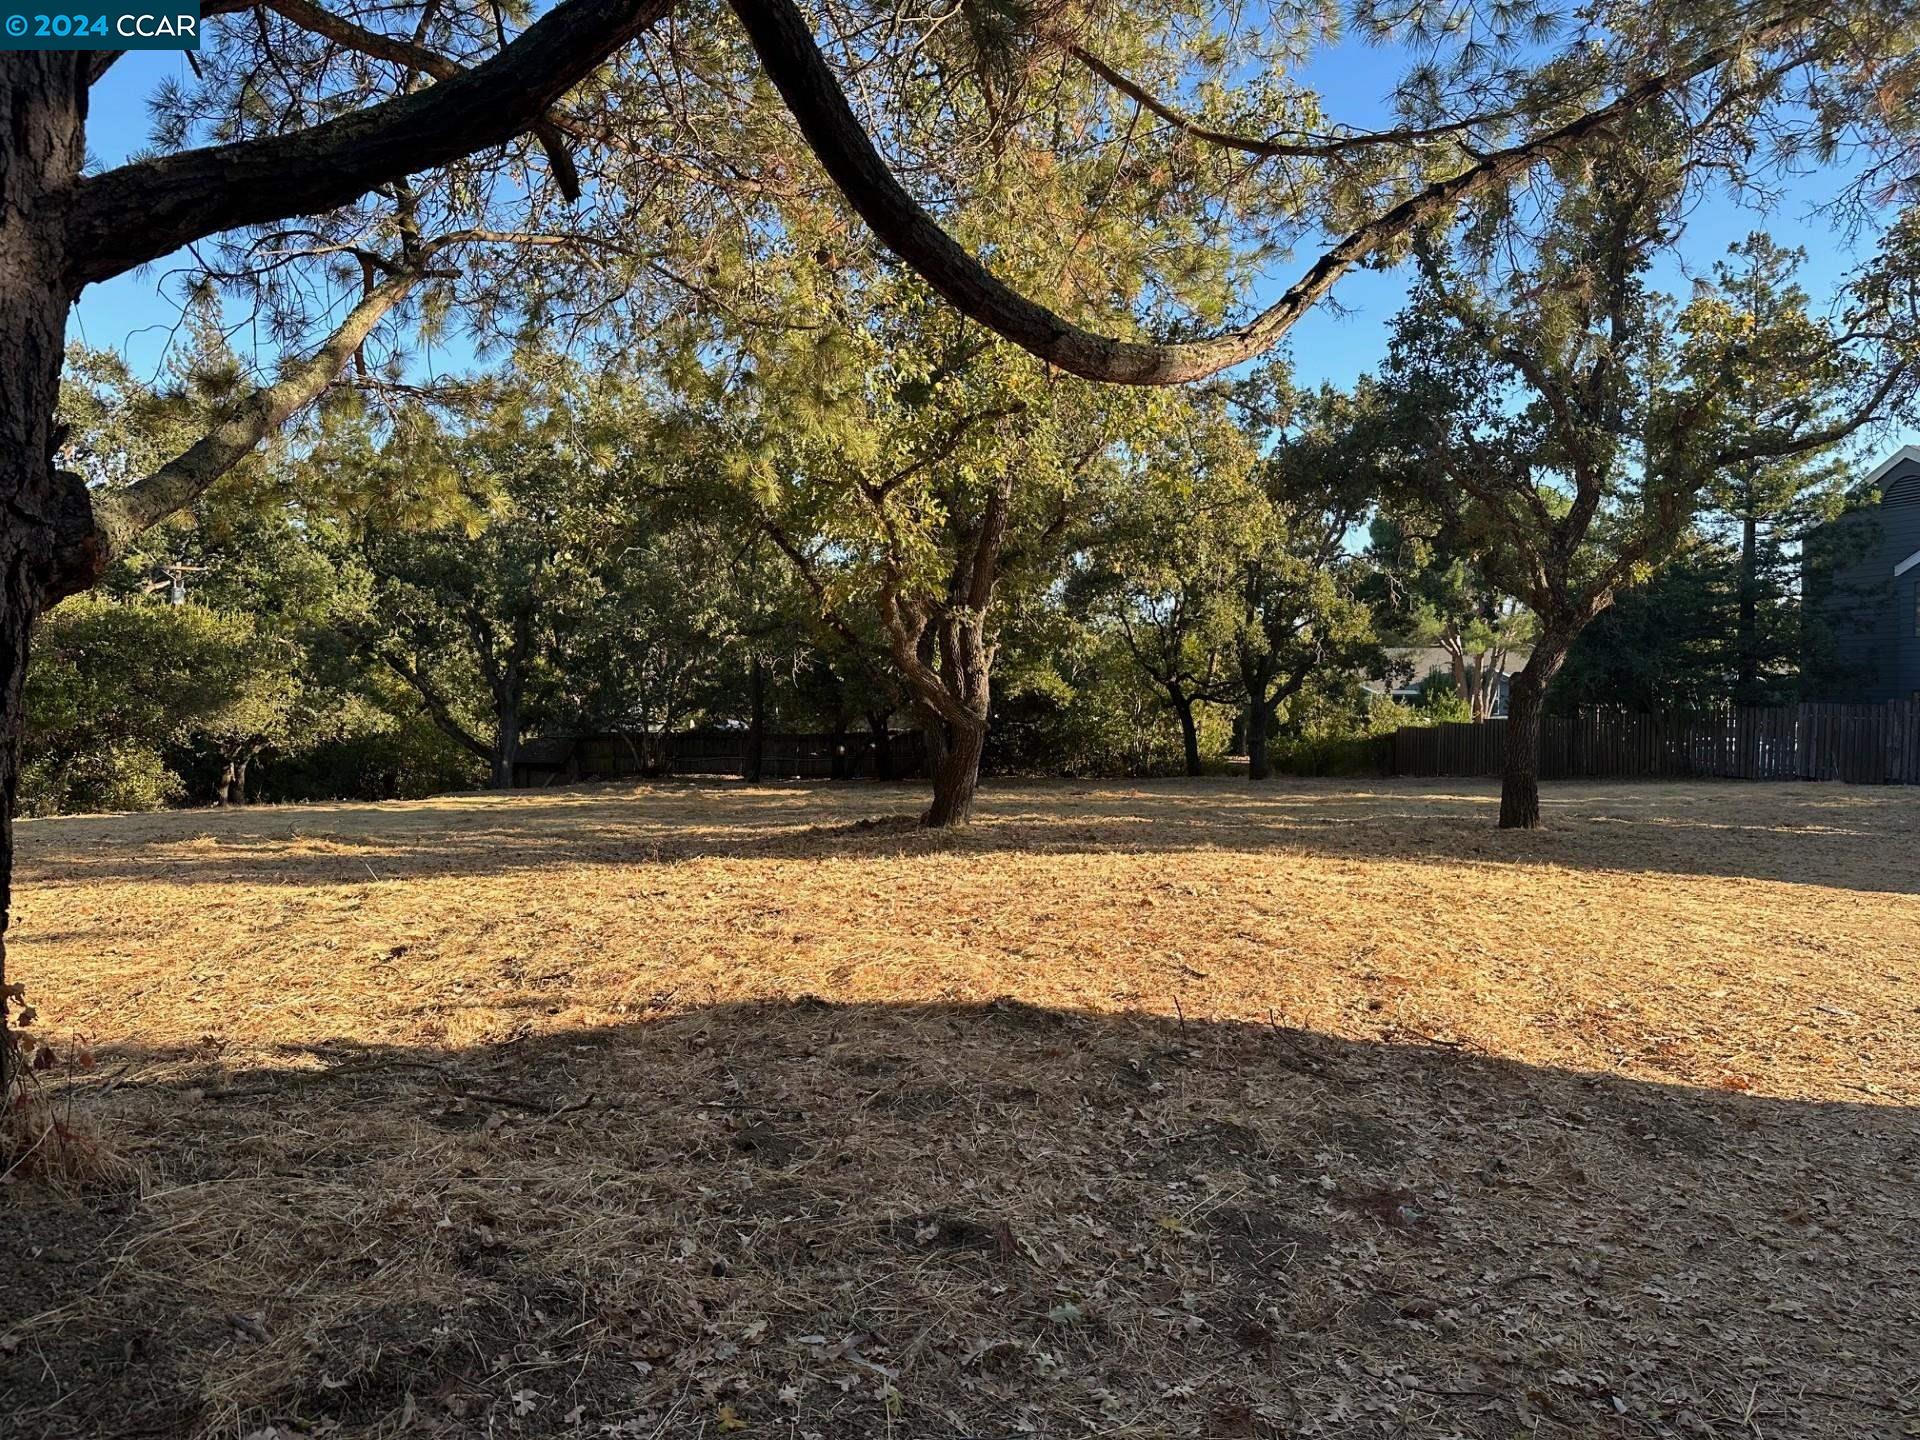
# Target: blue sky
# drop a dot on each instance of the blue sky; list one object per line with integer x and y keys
{"x": 131, "y": 312}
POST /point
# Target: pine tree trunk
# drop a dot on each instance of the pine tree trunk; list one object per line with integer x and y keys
{"x": 43, "y": 110}
{"x": 1746, "y": 692}
{"x": 16, "y": 620}
{"x": 956, "y": 776}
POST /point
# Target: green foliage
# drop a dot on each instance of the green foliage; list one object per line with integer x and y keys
{"x": 1561, "y": 425}
{"x": 1347, "y": 737}
{"x": 1082, "y": 708}
{"x": 1428, "y": 593}
{"x": 105, "y": 776}
{"x": 546, "y": 589}
{"x": 116, "y": 683}
{"x": 1169, "y": 548}
{"x": 1440, "y": 703}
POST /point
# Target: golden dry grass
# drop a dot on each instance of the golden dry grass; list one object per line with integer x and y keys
{"x": 1180, "y": 1109}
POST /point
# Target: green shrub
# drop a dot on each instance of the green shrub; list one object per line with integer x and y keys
{"x": 405, "y": 761}
{"x": 1440, "y": 703}
{"x": 1344, "y": 740}
{"x": 112, "y": 775}
{"x": 112, "y": 685}
{"x": 1096, "y": 715}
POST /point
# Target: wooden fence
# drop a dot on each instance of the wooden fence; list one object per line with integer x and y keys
{"x": 1860, "y": 744}
{"x": 784, "y": 756}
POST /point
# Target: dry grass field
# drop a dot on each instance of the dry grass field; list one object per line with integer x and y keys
{"x": 1171, "y": 1110}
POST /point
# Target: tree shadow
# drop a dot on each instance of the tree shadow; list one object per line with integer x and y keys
{"x": 939, "y": 1220}
{"x": 1858, "y": 838}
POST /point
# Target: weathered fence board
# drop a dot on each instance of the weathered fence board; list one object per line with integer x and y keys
{"x": 1860, "y": 744}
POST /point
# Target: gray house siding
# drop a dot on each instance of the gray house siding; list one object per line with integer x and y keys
{"x": 1863, "y": 620}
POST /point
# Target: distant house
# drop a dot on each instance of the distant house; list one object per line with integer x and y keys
{"x": 1861, "y": 591}
{"x": 1410, "y": 666}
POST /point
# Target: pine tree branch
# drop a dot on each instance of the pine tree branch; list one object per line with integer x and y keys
{"x": 104, "y": 523}
{"x": 139, "y": 212}
{"x": 784, "y": 42}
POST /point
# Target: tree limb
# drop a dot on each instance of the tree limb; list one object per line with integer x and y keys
{"x": 139, "y": 212}
{"x": 106, "y": 522}
{"x": 1271, "y": 149}
{"x": 436, "y": 706}
{"x": 317, "y": 20}
{"x": 784, "y": 42}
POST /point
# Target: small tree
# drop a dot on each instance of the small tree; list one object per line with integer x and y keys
{"x": 1768, "y": 502}
{"x": 120, "y": 683}
{"x": 1566, "y": 421}
{"x": 1163, "y": 562}
{"x": 1300, "y": 611}
{"x": 1431, "y": 594}
{"x": 917, "y": 475}
{"x": 506, "y": 569}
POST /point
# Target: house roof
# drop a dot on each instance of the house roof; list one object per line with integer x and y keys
{"x": 1879, "y": 472}
{"x": 1904, "y": 491}
{"x": 1425, "y": 659}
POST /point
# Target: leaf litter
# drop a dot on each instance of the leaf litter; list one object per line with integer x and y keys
{"x": 1143, "y": 1110}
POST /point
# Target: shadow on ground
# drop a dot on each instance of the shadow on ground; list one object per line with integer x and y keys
{"x": 809, "y": 1219}
{"x": 1862, "y": 838}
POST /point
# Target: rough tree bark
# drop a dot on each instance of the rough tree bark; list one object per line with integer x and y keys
{"x": 955, "y": 698}
{"x": 233, "y": 781}
{"x": 1520, "y": 766}
{"x": 1189, "y": 728}
{"x": 956, "y": 774}
{"x": 43, "y": 112}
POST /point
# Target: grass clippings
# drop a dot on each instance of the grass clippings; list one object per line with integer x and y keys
{"x": 1170, "y": 1110}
